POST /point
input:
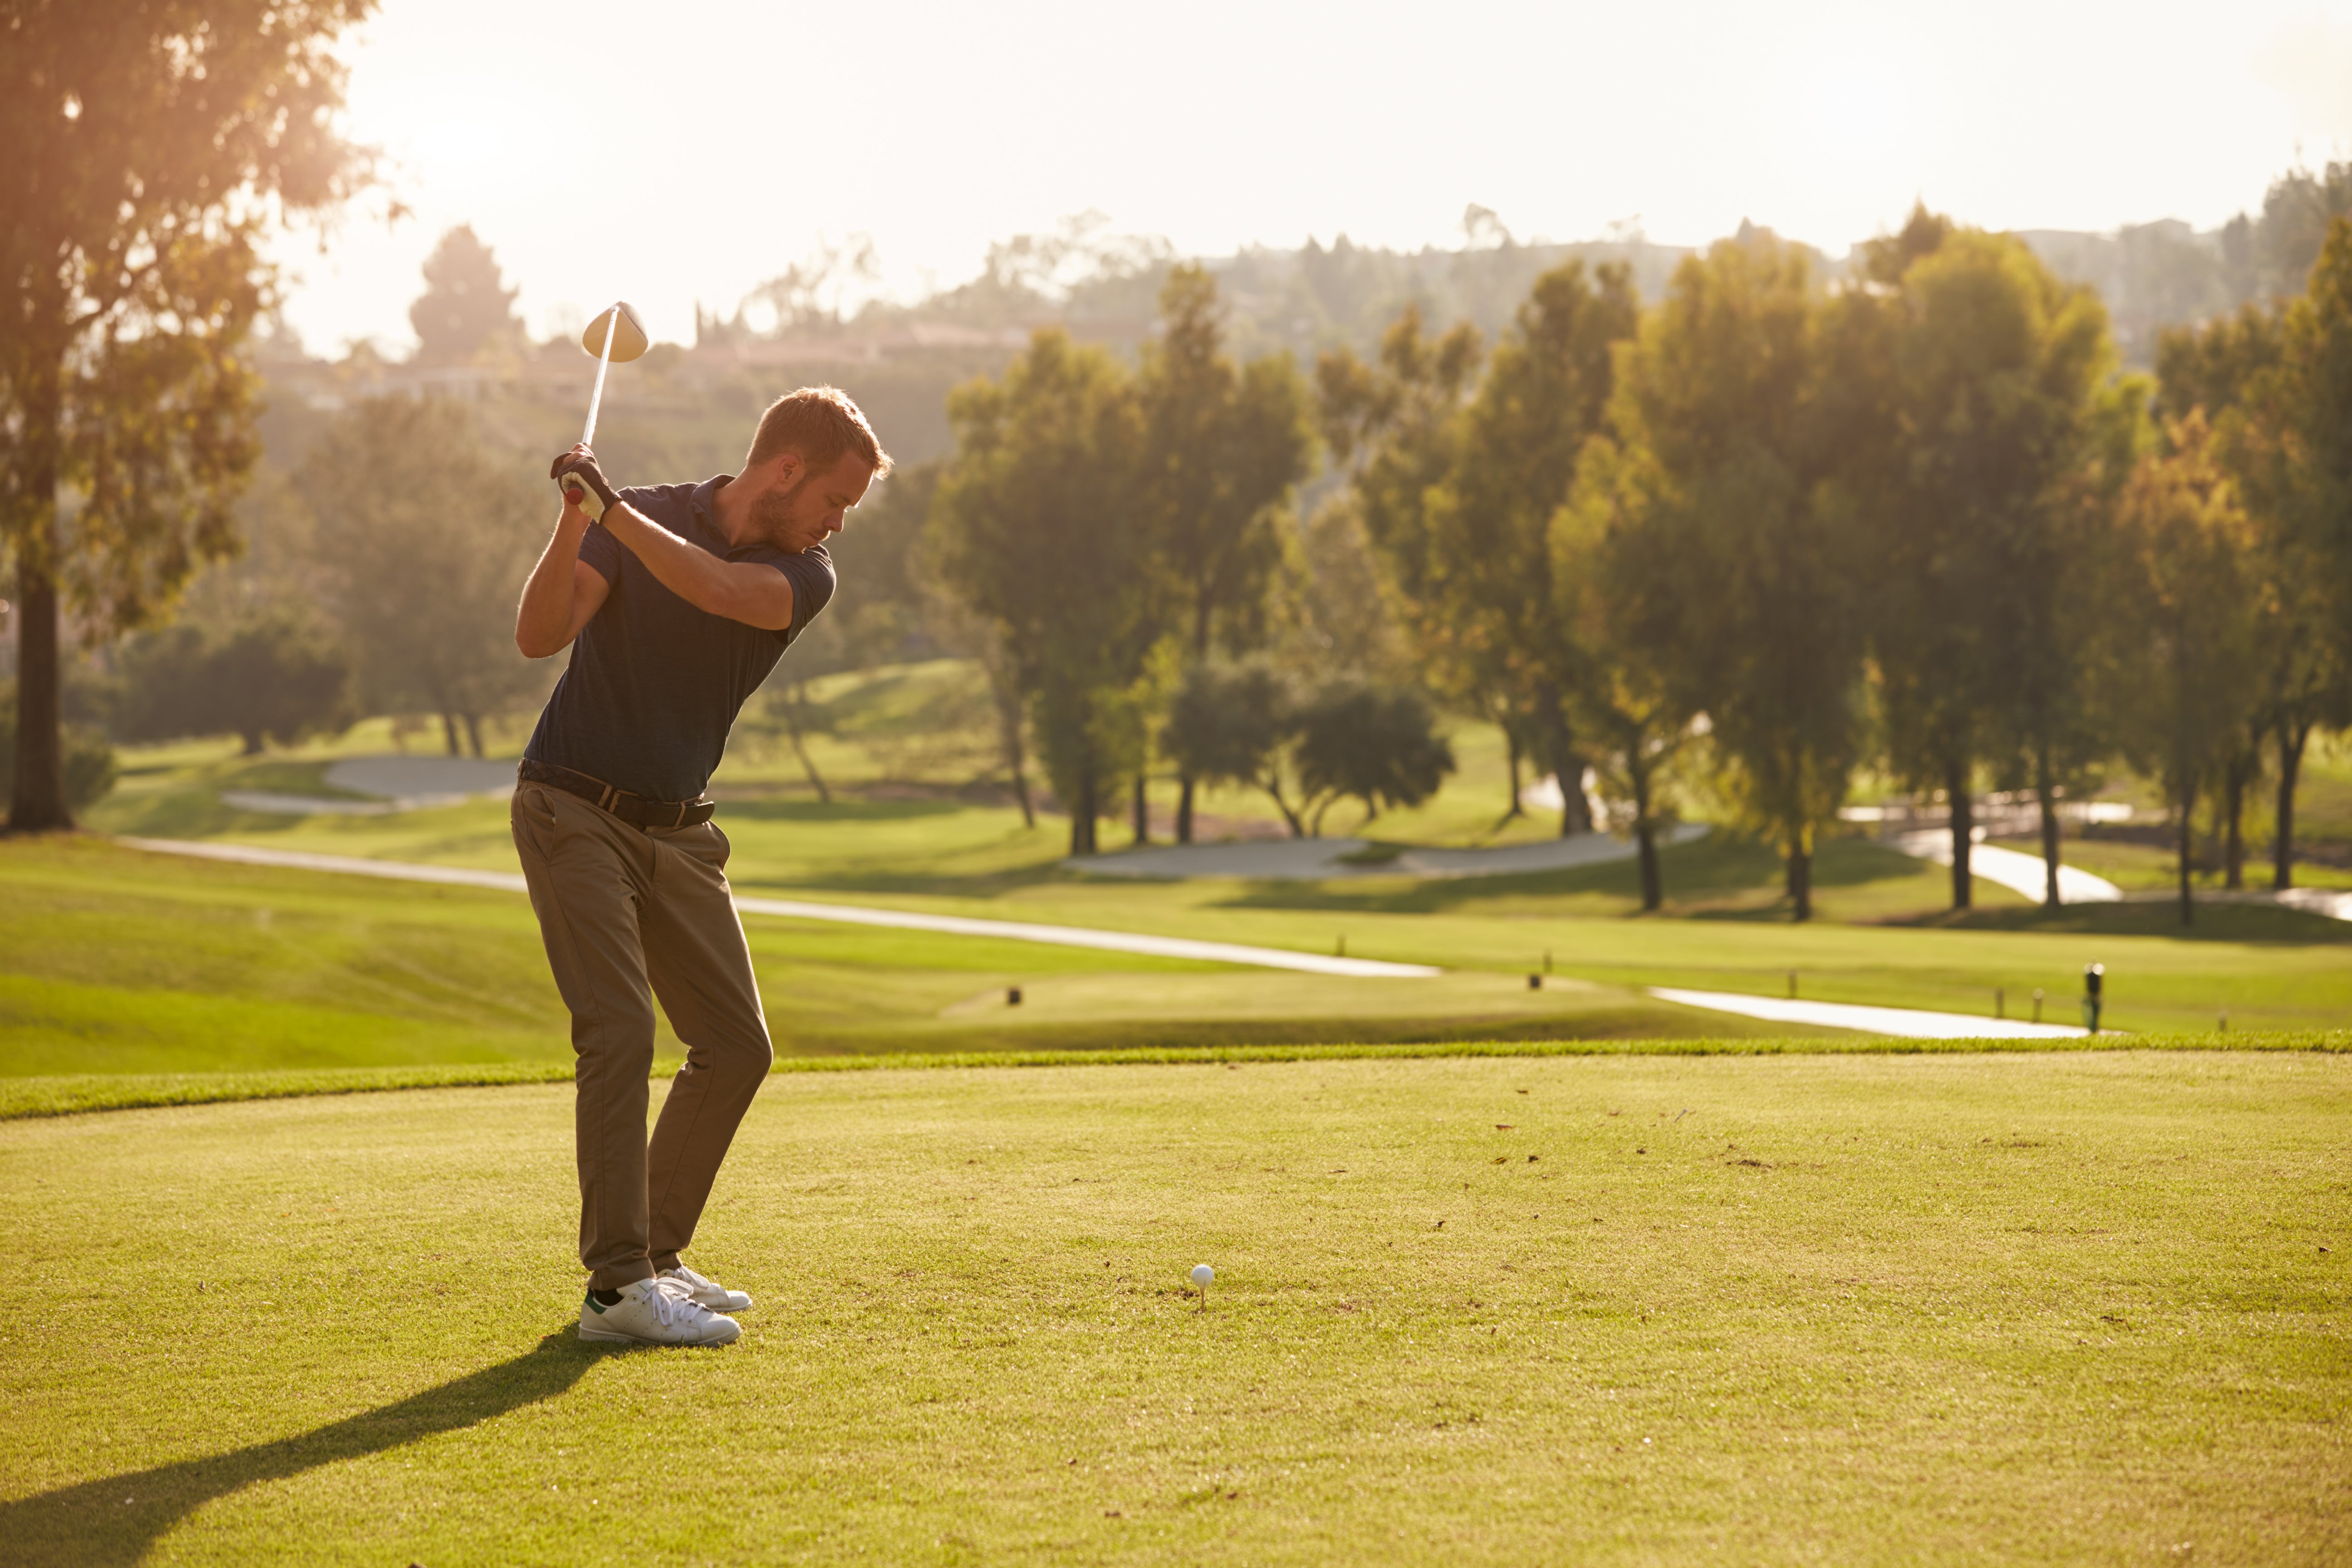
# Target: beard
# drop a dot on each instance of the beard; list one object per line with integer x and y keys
{"x": 773, "y": 517}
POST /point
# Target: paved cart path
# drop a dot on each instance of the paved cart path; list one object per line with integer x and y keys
{"x": 850, "y": 914}
{"x": 1903, "y": 1023}
{"x": 2011, "y": 868}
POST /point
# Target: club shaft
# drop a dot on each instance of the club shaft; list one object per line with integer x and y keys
{"x": 604, "y": 363}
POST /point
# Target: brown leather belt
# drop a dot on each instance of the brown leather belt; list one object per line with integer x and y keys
{"x": 634, "y": 809}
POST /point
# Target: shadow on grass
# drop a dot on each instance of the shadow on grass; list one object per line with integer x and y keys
{"x": 1722, "y": 876}
{"x": 2263, "y": 923}
{"x": 118, "y": 1519}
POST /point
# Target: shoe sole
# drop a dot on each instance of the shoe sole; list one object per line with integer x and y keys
{"x": 611, "y": 1337}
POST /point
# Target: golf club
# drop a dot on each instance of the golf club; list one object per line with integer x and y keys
{"x": 614, "y": 335}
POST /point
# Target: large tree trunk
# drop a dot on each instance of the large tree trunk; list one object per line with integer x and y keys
{"x": 1143, "y": 810}
{"x": 2233, "y": 811}
{"x": 474, "y": 734}
{"x": 1008, "y": 730}
{"x": 1511, "y": 745}
{"x": 37, "y": 804}
{"x": 1645, "y": 834}
{"x": 800, "y": 749}
{"x": 2293, "y": 735}
{"x": 1964, "y": 830}
{"x": 1202, "y": 608}
{"x": 1272, "y": 787}
{"x": 1801, "y": 874}
{"x": 1567, "y": 766}
{"x": 2188, "y": 830}
{"x": 2046, "y": 791}
{"x": 449, "y": 733}
{"x": 1084, "y": 810}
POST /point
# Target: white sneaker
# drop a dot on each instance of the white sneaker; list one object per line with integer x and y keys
{"x": 705, "y": 1292}
{"x": 655, "y": 1312}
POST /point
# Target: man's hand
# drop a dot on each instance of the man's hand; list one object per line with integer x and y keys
{"x": 582, "y": 482}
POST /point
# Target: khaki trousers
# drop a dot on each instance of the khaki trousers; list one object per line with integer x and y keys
{"x": 628, "y": 915}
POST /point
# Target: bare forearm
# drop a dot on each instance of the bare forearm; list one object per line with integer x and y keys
{"x": 543, "y": 620}
{"x": 756, "y": 595}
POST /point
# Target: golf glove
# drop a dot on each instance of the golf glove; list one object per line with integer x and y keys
{"x": 583, "y": 483}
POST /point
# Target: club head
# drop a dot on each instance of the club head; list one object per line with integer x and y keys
{"x": 628, "y": 342}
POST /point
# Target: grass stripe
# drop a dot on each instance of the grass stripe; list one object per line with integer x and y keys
{"x": 67, "y": 1095}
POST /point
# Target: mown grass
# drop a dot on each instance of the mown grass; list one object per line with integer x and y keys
{"x": 2058, "y": 1307}
{"x": 116, "y": 960}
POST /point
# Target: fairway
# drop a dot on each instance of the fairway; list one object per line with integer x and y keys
{"x": 117, "y": 962}
{"x": 2046, "y": 1308}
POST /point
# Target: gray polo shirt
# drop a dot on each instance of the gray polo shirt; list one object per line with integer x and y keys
{"x": 655, "y": 684}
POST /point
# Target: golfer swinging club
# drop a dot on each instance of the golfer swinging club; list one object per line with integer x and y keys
{"x": 676, "y": 601}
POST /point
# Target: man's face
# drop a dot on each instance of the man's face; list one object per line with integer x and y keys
{"x": 804, "y": 508}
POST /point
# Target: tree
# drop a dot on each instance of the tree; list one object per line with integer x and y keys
{"x": 1623, "y": 579}
{"x": 1375, "y": 743}
{"x": 89, "y": 764}
{"x": 1038, "y": 527}
{"x": 276, "y": 675}
{"x": 151, "y": 146}
{"x": 2299, "y": 211}
{"x": 1751, "y": 608}
{"x": 1991, "y": 374}
{"x": 1395, "y": 423}
{"x": 1232, "y": 724}
{"x": 467, "y": 306}
{"x": 2256, "y": 382}
{"x": 429, "y": 566}
{"x": 2194, "y": 617}
{"x": 2310, "y": 395}
{"x": 1497, "y": 592}
{"x": 1225, "y": 446}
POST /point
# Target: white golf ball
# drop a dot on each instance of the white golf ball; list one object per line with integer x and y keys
{"x": 1202, "y": 1274}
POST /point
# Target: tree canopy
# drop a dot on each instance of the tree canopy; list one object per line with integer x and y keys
{"x": 153, "y": 146}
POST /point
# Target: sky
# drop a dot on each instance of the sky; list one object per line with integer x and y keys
{"x": 671, "y": 155}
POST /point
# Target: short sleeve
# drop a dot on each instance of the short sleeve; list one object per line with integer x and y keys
{"x": 602, "y": 551}
{"x": 811, "y": 575}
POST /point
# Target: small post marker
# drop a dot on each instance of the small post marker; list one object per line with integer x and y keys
{"x": 1792, "y": 985}
{"x": 2000, "y": 1003}
{"x": 1013, "y": 995}
{"x": 1535, "y": 982}
{"x": 2225, "y": 1021}
{"x": 2037, "y": 1004}
{"x": 1547, "y": 960}
{"x": 1202, "y": 1275}
{"x": 1340, "y": 949}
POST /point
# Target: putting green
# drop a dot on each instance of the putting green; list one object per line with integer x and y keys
{"x": 2082, "y": 1308}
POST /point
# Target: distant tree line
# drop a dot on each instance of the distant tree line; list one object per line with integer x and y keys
{"x": 1765, "y": 535}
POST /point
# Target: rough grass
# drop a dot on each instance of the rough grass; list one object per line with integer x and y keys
{"x": 2058, "y": 1307}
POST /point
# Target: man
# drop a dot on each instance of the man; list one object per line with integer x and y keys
{"x": 675, "y": 602}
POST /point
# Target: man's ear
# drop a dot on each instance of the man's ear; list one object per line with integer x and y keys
{"x": 785, "y": 468}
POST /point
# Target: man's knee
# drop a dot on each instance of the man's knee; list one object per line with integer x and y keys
{"x": 614, "y": 1029}
{"x": 751, "y": 1051}
{"x": 740, "y": 1051}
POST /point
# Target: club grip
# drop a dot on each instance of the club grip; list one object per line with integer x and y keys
{"x": 576, "y": 494}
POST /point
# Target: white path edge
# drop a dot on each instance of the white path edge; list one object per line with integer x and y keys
{"x": 2011, "y": 868}
{"x": 1903, "y": 1023}
{"x": 848, "y": 914}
